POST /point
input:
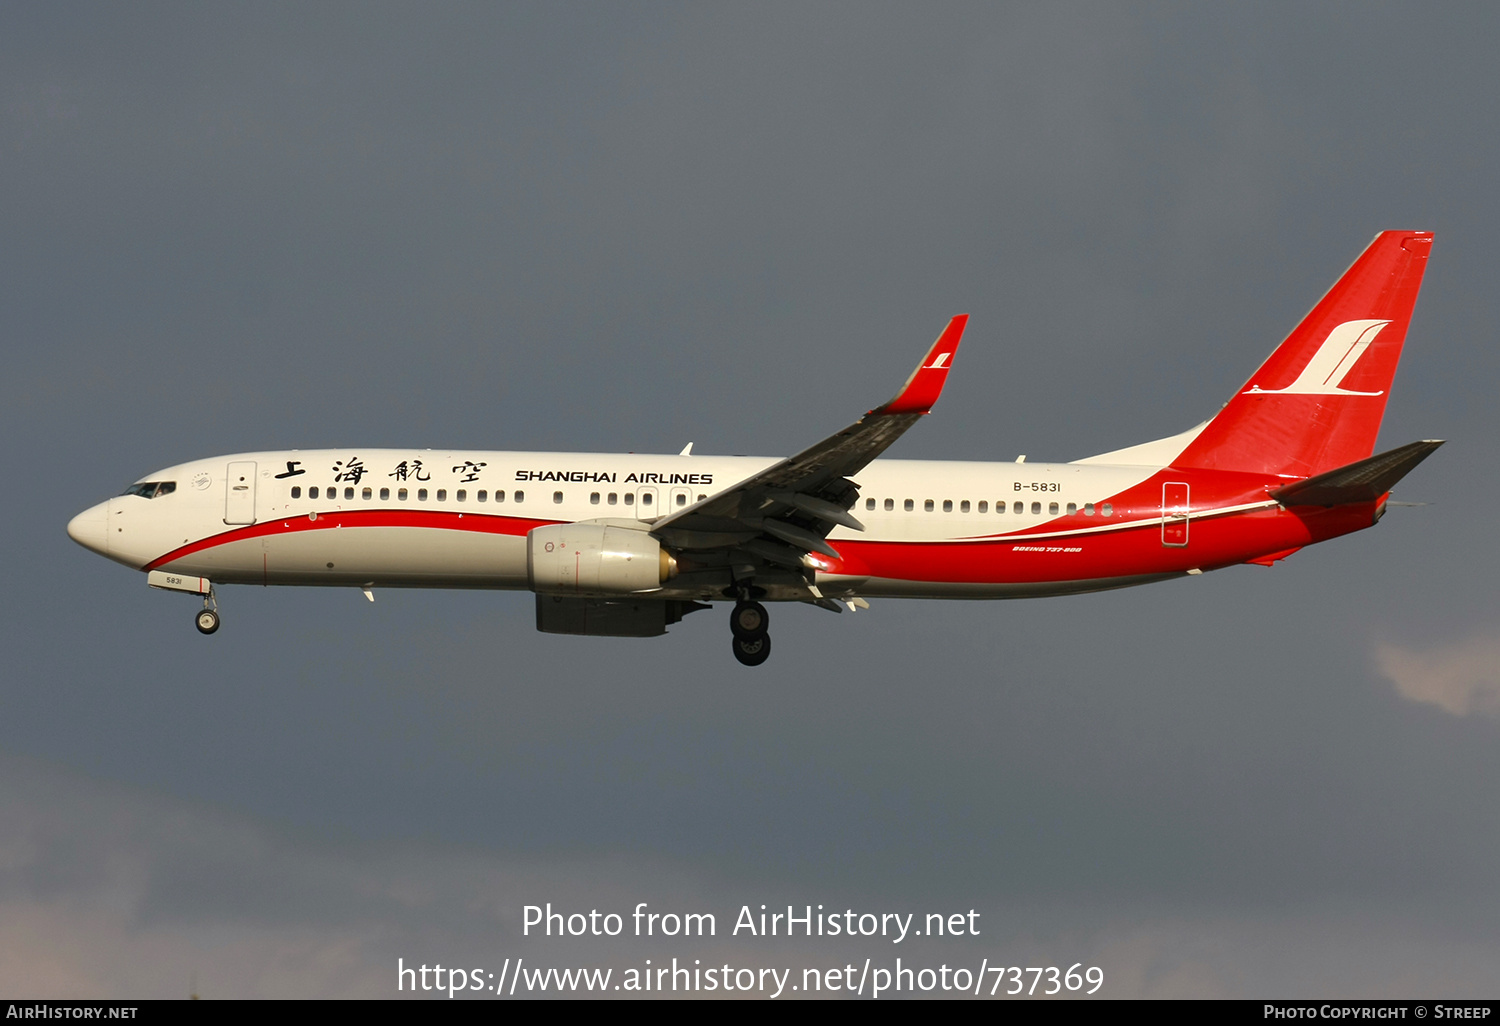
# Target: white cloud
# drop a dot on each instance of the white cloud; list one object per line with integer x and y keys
{"x": 1460, "y": 678}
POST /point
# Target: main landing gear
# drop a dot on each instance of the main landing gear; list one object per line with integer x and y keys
{"x": 750, "y": 624}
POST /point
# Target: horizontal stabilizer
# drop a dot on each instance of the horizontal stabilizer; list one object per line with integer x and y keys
{"x": 1364, "y": 481}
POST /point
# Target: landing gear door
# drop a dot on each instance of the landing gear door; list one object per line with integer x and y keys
{"x": 239, "y": 493}
{"x": 1174, "y": 514}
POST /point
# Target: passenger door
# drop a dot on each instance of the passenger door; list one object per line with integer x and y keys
{"x": 1174, "y": 514}
{"x": 239, "y": 493}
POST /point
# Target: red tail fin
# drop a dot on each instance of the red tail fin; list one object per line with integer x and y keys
{"x": 1316, "y": 404}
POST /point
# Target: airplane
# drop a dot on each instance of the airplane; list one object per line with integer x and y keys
{"x": 626, "y": 545}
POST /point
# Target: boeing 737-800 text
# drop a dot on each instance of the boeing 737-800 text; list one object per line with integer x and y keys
{"x": 624, "y": 545}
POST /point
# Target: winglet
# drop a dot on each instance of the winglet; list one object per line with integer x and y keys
{"x": 924, "y": 386}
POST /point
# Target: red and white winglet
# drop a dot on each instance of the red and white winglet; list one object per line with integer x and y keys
{"x": 924, "y": 386}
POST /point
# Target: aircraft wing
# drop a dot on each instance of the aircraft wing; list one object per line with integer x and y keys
{"x": 787, "y": 510}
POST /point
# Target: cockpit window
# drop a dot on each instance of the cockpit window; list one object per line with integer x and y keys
{"x": 151, "y": 489}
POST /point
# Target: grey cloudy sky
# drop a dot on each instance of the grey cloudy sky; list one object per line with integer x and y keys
{"x": 627, "y": 227}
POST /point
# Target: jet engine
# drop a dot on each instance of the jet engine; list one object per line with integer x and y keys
{"x": 594, "y": 559}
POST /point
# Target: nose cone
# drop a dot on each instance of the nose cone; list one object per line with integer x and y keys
{"x": 91, "y": 529}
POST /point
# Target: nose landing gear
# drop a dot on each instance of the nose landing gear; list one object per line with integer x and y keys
{"x": 207, "y": 620}
{"x": 750, "y": 623}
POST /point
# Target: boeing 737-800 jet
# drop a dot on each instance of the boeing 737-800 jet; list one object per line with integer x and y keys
{"x": 624, "y": 545}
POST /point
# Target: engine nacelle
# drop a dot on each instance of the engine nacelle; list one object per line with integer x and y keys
{"x": 593, "y": 559}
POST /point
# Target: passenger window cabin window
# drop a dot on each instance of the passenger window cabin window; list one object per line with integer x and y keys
{"x": 296, "y": 491}
{"x": 630, "y": 498}
{"x": 367, "y": 494}
{"x": 1072, "y": 508}
{"x": 928, "y": 505}
{"x": 421, "y": 494}
{"x": 909, "y": 505}
{"x": 499, "y": 495}
{"x": 702, "y": 497}
{"x": 401, "y": 494}
{"x": 1088, "y": 509}
{"x": 869, "y": 504}
{"x": 682, "y": 499}
{"x": 593, "y": 498}
{"x": 483, "y": 495}
{"x": 947, "y": 505}
{"x": 984, "y": 506}
{"x": 963, "y": 507}
{"x": 1019, "y": 507}
{"x": 312, "y": 492}
{"x": 442, "y": 495}
{"x": 1036, "y": 507}
{"x": 1107, "y": 510}
{"x": 613, "y": 498}
{"x": 890, "y": 504}
{"x": 348, "y": 492}
{"x": 646, "y": 499}
{"x": 461, "y": 495}
{"x": 557, "y": 497}
{"x": 385, "y": 494}
{"x": 519, "y": 495}
{"x": 1052, "y": 509}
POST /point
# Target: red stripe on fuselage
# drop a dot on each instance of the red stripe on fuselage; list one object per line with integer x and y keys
{"x": 1213, "y": 542}
{"x": 481, "y": 523}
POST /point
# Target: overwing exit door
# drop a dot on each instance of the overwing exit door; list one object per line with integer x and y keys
{"x": 645, "y": 504}
{"x": 1174, "y": 513}
{"x": 239, "y": 493}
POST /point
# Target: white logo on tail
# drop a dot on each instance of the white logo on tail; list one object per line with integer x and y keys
{"x": 1333, "y": 361}
{"x": 937, "y": 364}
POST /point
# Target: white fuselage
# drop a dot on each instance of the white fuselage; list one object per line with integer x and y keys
{"x": 410, "y": 507}
{"x": 405, "y": 518}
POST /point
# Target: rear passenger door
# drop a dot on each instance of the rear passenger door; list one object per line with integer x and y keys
{"x": 1174, "y": 514}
